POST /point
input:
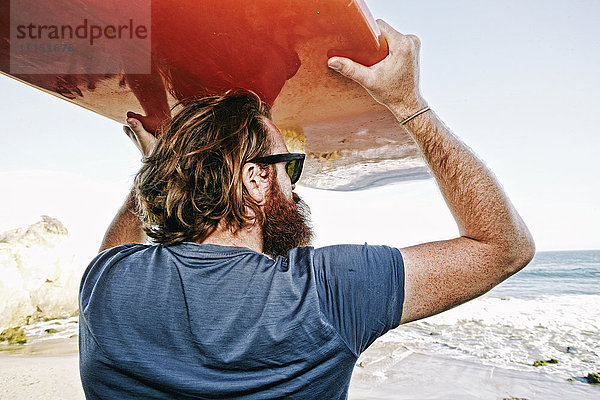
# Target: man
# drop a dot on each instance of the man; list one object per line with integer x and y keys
{"x": 206, "y": 314}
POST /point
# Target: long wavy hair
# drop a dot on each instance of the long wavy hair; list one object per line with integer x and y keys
{"x": 192, "y": 179}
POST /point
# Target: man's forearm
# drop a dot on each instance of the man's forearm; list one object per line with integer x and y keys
{"x": 480, "y": 207}
{"x": 494, "y": 242}
{"x": 125, "y": 227}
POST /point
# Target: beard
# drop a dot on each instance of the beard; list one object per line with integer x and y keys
{"x": 286, "y": 224}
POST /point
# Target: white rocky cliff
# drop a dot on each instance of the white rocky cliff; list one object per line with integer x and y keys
{"x": 39, "y": 274}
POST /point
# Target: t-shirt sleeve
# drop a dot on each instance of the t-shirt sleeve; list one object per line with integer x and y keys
{"x": 361, "y": 291}
{"x": 98, "y": 265}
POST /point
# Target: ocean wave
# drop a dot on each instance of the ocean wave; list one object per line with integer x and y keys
{"x": 512, "y": 333}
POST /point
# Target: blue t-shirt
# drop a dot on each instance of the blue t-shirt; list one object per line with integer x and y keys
{"x": 207, "y": 321}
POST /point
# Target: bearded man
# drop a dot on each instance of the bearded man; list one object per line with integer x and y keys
{"x": 231, "y": 301}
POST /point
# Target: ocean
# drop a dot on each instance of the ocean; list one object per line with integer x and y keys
{"x": 549, "y": 310}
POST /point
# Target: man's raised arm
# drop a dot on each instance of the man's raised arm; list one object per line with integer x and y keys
{"x": 126, "y": 227}
{"x": 494, "y": 241}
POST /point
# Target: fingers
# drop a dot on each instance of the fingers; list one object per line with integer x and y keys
{"x": 386, "y": 28}
{"x": 394, "y": 81}
{"x": 143, "y": 139}
{"x": 416, "y": 41}
{"x": 349, "y": 69}
{"x": 132, "y": 136}
{"x": 391, "y": 35}
{"x": 135, "y": 121}
{"x": 395, "y": 38}
{"x": 129, "y": 133}
{"x": 150, "y": 124}
{"x": 137, "y": 127}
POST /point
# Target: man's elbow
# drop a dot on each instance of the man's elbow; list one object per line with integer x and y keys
{"x": 519, "y": 250}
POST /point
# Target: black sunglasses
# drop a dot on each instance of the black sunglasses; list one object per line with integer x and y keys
{"x": 293, "y": 163}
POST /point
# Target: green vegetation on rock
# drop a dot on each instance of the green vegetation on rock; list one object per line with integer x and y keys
{"x": 593, "y": 378}
{"x": 540, "y": 363}
{"x": 50, "y": 330}
{"x": 14, "y": 335}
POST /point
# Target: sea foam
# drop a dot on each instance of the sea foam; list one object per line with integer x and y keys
{"x": 512, "y": 333}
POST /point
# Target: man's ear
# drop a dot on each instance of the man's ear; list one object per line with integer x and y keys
{"x": 256, "y": 181}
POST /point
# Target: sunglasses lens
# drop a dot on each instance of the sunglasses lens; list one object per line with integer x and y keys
{"x": 294, "y": 169}
{"x": 290, "y": 168}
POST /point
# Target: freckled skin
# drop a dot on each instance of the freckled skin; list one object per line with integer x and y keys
{"x": 494, "y": 241}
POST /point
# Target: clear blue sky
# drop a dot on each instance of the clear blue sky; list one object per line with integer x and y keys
{"x": 518, "y": 81}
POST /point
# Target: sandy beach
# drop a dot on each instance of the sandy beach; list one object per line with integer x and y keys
{"x": 40, "y": 377}
{"x": 50, "y": 371}
{"x": 424, "y": 377}
{"x": 47, "y": 370}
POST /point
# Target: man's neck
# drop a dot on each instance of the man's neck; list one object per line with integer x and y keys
{"x": 248, "y": 236}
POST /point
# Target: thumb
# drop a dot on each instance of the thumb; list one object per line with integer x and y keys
{"x": 144, "y": 123}
{"x": 350, "y": 69}
{"x": 136, "y": 126}
{"x": 143, "y": 139}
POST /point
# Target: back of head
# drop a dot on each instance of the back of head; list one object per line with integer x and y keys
{"x": 192, "y": 178}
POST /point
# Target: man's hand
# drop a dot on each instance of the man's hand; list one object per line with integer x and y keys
{"x": 393, "y": 82}
{"x": 152, "y": 124}
{"x": 494, "y": 241}
{"x": 141, "y": 138}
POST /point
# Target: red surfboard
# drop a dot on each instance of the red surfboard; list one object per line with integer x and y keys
{"x": 143, "y": 56}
